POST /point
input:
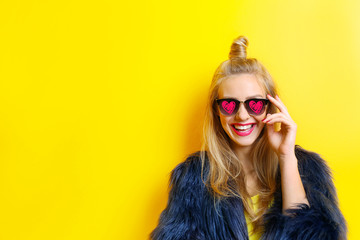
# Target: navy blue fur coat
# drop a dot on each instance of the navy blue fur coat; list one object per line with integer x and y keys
{"x": 190, "y": 211}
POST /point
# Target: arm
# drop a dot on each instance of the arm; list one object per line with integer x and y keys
{"x": 293, "y": 192}
{"x": 322, "y": 219}
{"x": 295, "y": 215}
{"x": 283, "y": 143}
{"x": 179, "y": 220}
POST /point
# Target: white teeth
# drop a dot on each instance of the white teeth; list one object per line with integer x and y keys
{"x": 243, "y": 127}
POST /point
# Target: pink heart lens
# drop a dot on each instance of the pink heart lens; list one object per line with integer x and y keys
{"x": 228, "y": 106}
{"x": 256, "y": 106}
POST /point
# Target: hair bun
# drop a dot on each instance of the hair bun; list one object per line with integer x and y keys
{"x": 238, "y": 48}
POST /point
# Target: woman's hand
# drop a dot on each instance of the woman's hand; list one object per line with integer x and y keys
{"x": 283, "y": 141}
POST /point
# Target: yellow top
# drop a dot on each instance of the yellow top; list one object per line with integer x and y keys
{"x": 255, "y": 205}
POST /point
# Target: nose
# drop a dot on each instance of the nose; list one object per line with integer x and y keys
{"x": 242, "y": 114}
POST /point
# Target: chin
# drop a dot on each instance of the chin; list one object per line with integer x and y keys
{"x": 246, "y": 141}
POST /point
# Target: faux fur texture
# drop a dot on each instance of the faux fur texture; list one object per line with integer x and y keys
{"x": 190, "y": 211}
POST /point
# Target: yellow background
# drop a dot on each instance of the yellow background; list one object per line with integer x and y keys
{"x": 100, "y": 100}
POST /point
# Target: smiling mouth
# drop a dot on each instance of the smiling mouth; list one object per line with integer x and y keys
{"x": 243, "y": 130}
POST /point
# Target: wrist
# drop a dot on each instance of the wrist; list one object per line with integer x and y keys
{"x": 287, "y": 159}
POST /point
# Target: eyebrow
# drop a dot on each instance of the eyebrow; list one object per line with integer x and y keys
{"x": 254, "y": 96}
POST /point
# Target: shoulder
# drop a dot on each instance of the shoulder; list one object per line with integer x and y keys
{"x": 309, "y": 161}
{"x": 189, "y": 171}
{"x": 314, "y": 171}
{"x": 191, "y": 163}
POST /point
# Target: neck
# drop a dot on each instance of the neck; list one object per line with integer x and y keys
{"x": 251, "y": 182}
{"x": 243, "y": 154}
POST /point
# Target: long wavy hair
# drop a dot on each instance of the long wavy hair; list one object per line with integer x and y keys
{"x": 224, "y": 165}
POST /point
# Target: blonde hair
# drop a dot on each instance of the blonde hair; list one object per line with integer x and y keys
{"x": 224, "y": 166}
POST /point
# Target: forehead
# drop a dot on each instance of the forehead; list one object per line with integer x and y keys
{"x": 240, "y": 86}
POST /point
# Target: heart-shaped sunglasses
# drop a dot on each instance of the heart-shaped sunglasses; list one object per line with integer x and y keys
{"x": 230, "y": 106}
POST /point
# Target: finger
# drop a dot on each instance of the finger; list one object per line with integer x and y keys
{"x": 278, "y": 98}
{"x": 266, "y": 117}
{"x": 270, "y": 129}
{"x": 280, "y": 120}
{"x": 274, "y": 115}
{"x": 278, "y": 104}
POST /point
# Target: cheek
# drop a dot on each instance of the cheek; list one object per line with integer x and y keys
{"x": 259, "y": 119}
{"x": 261, "y": 125}
{"x": 225, "y": 121}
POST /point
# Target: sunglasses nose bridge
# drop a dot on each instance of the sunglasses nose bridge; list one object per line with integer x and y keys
{"x": 242, "y": 112}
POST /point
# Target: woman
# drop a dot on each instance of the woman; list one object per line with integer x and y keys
{"x": 250, "y": 180}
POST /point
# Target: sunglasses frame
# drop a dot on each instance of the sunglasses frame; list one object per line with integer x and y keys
{"x": 237, "y": 102}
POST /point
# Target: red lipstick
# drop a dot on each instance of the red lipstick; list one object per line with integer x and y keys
{"x": 243, "y": 133}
